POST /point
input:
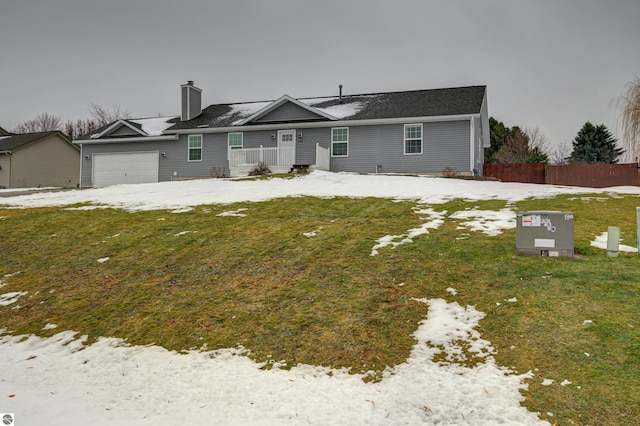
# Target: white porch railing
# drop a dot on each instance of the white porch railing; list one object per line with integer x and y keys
{"x": 252, "y": 156}
{"x": 279, "y": 160}
{"x": 323, "y": 158}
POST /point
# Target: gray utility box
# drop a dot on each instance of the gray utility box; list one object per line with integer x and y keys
{"x": 545, "y": 233}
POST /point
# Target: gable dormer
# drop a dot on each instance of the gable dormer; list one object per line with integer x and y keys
{"x": 120, "y": 129}
{"x": 286, "y": 110}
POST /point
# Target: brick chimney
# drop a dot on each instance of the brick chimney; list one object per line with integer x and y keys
{"x": 191, "y": 101}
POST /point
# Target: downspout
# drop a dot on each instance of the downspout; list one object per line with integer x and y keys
{"x": 472, "y": 132}
{"x": 81, "y": 166}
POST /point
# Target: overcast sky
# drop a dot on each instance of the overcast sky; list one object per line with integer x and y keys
{"x": 548, "y": 63}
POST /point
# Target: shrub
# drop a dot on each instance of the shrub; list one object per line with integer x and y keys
{"x": 260, "y": 169}
{"x": 450, "y": 172}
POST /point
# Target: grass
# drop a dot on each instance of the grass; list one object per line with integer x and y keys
{"x": 189, "y": 279}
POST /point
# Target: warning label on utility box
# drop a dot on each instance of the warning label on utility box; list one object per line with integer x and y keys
{"x": 538, "y": 220}
{"x": 531, "y": 220}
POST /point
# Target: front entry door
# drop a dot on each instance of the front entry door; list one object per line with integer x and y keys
{"x": 286, "y": 139}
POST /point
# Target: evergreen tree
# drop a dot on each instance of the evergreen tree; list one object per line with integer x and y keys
{"x": 537, "y": 155}
{"x": 498, "y": 134}
{"x": 595, "y": 144}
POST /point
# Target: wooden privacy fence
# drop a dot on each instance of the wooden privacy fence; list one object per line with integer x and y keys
{"x": 588, "y": 175}
{"x": 593, "y": 175}
{"x": 525, "y": 172}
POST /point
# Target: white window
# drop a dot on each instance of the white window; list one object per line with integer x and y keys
{"x": 413, "y": 139}
{"x": 195, "y": 148}
{"x": 340, "y": 142}
{"x": 235, "y": 140}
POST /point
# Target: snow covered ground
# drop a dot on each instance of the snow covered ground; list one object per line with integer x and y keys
{"x": 62, "y": 381}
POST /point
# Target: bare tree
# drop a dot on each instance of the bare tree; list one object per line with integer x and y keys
{"x": 43, "y": 122}
{"x": 629, "y": 103}
{"x": 561, "y": 154}
{"x": 100, "y": 116}
{"x": 103, "y": 116}
{"x": 515, "y": 148}
{"x": 537, "y": 139}
{"x": 78, "y": 128}
{"x": 524, "y": 146}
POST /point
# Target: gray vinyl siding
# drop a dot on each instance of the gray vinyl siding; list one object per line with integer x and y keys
{"x": 123, "y": 131}
{"x": 287, "y": 112}
{"x": 306, "y": 149}
{"x": 174, "y": 164}
{"x": 191, "y": 103}
{"x": 185, "y": 107}
{"x": 258, "y": 138}
{"x": 444, "y": 144}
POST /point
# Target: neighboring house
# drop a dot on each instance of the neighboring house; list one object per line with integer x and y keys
{"x": 43, "y": 159}
{"x": 421, "y": 131}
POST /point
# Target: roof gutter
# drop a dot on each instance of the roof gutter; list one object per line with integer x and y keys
{"x": 6, "y": 152}
{"x": 315, "y": 124}
{"x": 167, "y": 137}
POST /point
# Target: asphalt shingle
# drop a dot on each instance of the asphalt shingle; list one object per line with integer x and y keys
{"x": 417, "y": 103}
{"x": 7, "y": 143}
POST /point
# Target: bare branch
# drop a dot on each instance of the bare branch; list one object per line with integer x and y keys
{"x": 44, "y": 122}
{"x": 537, "y": 139}
{"x": 104, "y": 116}
{"x": 561, "y": 153}
{"x": 629, "y": 103}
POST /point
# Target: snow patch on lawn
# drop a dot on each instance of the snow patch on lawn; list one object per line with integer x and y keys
{"x": 236, "y": 213}
{"x": 3, "y": 279}
{"x": 490, "y": 222}
{"x": 601, "y": 242}
{"x": 312, "y": 233}
{"x": 110, "y": 382}
{"x": 435, "y": 220}
{"x": 10, "y": 298}
{"x": 180, "y": 196}
{"x": 184, "y": 233}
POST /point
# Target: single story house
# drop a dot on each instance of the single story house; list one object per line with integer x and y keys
{"x": 42, "y": 159}
{"x": 420, "y": 131}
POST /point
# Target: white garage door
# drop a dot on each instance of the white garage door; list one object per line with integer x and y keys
{"x": 130, "y": 167}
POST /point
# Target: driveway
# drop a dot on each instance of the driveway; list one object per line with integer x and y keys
{"x": 28, "y": 191}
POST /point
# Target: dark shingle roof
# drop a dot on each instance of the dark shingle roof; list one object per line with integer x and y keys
{"x": 7, "y": 143}
{"x": 416, "y": 103}
{"x": 134, "y": 122}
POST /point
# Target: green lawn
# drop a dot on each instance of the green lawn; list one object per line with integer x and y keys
{"x": 182, "y": 280}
